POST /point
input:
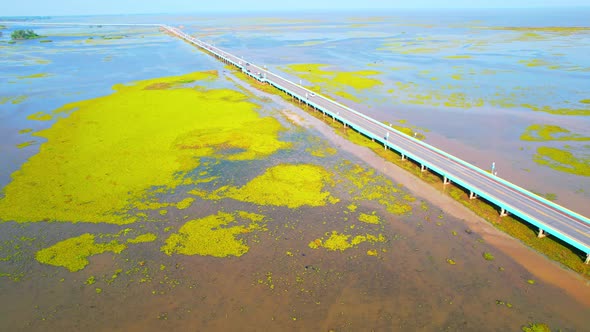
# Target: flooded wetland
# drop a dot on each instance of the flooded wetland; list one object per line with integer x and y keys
{"x": 146, "y": 187}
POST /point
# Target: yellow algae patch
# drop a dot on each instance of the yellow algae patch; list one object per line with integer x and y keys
{"x": 185, "y": 203}
{"x": 284, "y": 185}
{"x": 149, "y": 237}
{"x": 341, "y": 242}
{"x": 546, "y": 29}
{"x": 25, "y": 144}
{"x": 373, "y": 188}
{"x": 211, "y": 236}
{"x": 562, "y": 160}
{"x": 348, "y": 96}
{"x": 369, "y": 218}
{"x": 337, "y": 241}
{"x": 541, "y": 133}
{"x": 40, "y": 116}
{"x": 336, "y": 81}
{"x": 38, "y": 75}
{"x": 534, "y": 63}
{"x": 559, "y": 111}
{"x": 452, "y": 57}
{"x": 104, "y": 158}
{"x": 16, "y": 100}
{"x": 320, "y": 148}
{"x": 73, "y": 253}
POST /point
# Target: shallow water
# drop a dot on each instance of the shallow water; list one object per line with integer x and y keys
{"x": 281, "y": 283}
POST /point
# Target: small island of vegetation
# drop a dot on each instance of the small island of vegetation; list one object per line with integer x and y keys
{"x": 24, "y": 34}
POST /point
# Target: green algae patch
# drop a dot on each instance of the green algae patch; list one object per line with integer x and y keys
{"x": 143, "y": 238}
{"x": 287, "y": 185}
{"x": 147, "y": 134}
{"x": 73, "y": 253}
{"x": 542, "y": 133}
{"x": 562, "y": 160}
{"x": 338, "y": 241}
{"x": 369, "y": 218}
{"x": 214, "y": 235}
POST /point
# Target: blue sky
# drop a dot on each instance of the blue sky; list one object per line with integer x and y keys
{"x": 80, "y": 7}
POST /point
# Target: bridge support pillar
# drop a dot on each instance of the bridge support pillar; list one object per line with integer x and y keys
{"x": 541, "y": 234}
{"x": 472, "y": 195}
{"x": 503, "y": 212}
{"x": 404, "y": 157}
{"x": 423, "y": 168}
{"x": 587, "y": 259}
{"x": 446, "y": 180}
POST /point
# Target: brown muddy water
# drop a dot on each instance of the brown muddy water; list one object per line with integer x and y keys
{"x": 429, "y": 274}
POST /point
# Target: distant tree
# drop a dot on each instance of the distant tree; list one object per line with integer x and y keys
{"x": 24, "y": 34}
